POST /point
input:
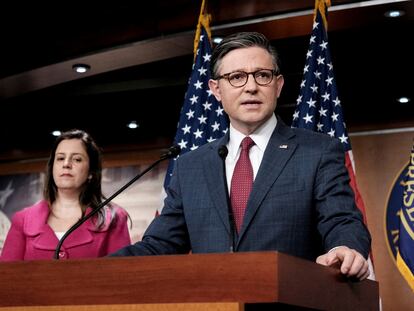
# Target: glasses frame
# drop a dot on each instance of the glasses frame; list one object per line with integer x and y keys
{"x": 253, "y": 73}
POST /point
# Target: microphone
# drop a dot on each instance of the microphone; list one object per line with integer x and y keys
{"x": 223, "y": 152}
{"x": 171, "y": 153}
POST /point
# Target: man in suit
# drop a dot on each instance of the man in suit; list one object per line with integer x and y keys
{"x": 290, "y": 194}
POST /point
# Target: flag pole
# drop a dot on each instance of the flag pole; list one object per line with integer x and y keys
{"x": 203, "y": 20}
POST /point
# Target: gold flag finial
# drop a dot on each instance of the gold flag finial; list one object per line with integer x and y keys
{"x": 204, "y": 19}
{"x": 322, "y": 6}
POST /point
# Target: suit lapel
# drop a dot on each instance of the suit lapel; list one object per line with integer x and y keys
{"x": 278, "y": 152}
{"x": 214, "y": 173}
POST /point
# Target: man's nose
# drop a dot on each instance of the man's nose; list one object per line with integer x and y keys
{"x": 251, "y": 84}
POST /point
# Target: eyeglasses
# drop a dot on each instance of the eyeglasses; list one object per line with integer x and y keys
{"x": 240, "y": 78}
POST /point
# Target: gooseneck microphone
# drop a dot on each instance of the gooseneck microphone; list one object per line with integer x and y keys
{"x": 223, "y": 152}
{"x": 171, "y": 153}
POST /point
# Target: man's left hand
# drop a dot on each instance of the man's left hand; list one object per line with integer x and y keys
{"x": 350, "y": 262}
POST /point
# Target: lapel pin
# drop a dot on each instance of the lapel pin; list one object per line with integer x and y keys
{"x": 283, "y": 146}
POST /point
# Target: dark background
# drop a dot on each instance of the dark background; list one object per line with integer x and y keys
{"x": 39, "y": 92}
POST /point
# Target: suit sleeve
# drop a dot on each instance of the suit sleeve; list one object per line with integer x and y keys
{"x": 15, "y": 243}
{"x": 167, "y": 234}
{"x": 339, "y": 220}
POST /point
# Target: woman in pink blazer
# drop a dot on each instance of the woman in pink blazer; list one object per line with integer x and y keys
{"x": 72, "y": 190}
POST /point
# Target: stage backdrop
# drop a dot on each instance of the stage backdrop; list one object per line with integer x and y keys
{"x": 141, "y": 200}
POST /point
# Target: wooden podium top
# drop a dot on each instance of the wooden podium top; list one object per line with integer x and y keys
{"x": 256, "y": 277}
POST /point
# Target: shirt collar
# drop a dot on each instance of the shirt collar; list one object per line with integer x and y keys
{"x": 260, "y": 136}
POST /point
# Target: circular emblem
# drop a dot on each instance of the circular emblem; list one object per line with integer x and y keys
{"x": 392, "y": 213}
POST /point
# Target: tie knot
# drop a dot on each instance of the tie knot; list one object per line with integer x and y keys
{"x": 247, "y": 143}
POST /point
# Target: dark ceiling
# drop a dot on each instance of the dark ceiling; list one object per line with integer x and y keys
{"x": 141, "y": 56}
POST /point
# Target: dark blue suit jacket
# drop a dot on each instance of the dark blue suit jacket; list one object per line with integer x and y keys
{"x": 301, "y": 203}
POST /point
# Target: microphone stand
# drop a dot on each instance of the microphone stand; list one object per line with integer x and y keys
{"x": 172, "y": 152}
{"x": 223, "y": 151}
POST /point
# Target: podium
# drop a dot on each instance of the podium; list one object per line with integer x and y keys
{"x": 222, "y": 282}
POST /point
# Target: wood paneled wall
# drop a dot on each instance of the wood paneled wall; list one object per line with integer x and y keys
{"x": 379, "y": 159}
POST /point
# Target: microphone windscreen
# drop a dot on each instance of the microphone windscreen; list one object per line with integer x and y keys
{"x": 172, "y": 152}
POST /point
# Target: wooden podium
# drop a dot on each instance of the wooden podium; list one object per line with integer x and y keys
{"x": 222, "y": 282}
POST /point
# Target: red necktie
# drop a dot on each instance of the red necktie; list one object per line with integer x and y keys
{"x": 242, "y": 182}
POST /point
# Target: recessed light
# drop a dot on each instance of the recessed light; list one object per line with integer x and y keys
{"x": 403, "y": 100}
{"x": 56, "y": 133}
{"x": 394, "y": 13}
{"x": 81, "y": 68}
{"x": 133, "y": 125}
{"x": 217, "y": 40}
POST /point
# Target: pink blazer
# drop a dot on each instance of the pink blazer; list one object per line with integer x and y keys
{"x": 31, "y": 238}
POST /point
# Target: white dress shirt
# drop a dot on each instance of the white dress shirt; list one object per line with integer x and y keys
{"x": 260, "y": 137}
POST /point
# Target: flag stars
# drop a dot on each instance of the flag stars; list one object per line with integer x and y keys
{"x": 337, "y": 102}
{"x": 329, "y": 80}
{"x": 215, "y": 126}
{"x": 314, "y": 88}
{"x": 309, "y": 54}
{"x": 324, "y": 45}
{"x": 320, "y": 60}
{"x": 202, "y": 71}
{"x": 319, "y": 127}
{"x": 326, "y": 96}
{"x": 183, "y": 144}
{"x": 299, "y": 100}
{"x": 312, "y": 39}
{"x": 207, "y": 105}
{"x": 202, "y": 119}
{"x": 207, "y": 57}
{"x": 308, "y": 118}
{"x": 193, "y": 99}
{"x": 190, "y": 114}
{"x": 198, "y": 134}
{"x": 296, "y": 115}
{"x": 330, "y": 66}
{"x": 315, "y": 25}
{"x": 343, "y": 138}
{"x": 198, "y": 85}
{"x": 331, "y": 132}
{"x": 186, "y": 129}
{"x": 311, "y": 103}
{"x": 334, "y": 117}
{"x": 322, "y": 112}
{"x": 317, "y": 74}
{"x": 219, "y": 111}
{"x": 306, "y": 69}
{"x": 302, "y": 84}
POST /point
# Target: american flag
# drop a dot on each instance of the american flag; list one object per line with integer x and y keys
{"x": 318, "y": 107}
{"x": 202, "y": 117}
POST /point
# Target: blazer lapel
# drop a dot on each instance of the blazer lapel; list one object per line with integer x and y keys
{"x": 278, "y": 152}
{"x": 217, "y": 187}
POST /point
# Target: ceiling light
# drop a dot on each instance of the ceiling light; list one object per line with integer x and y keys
{"x": 56, "y": 133}
{"x": 403, "y": 100}
{"x": 394, "y": 13}
{"x": 217, "y": 40}
{"x": 81, "y": 68}
{"x": 133, "y": 125}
